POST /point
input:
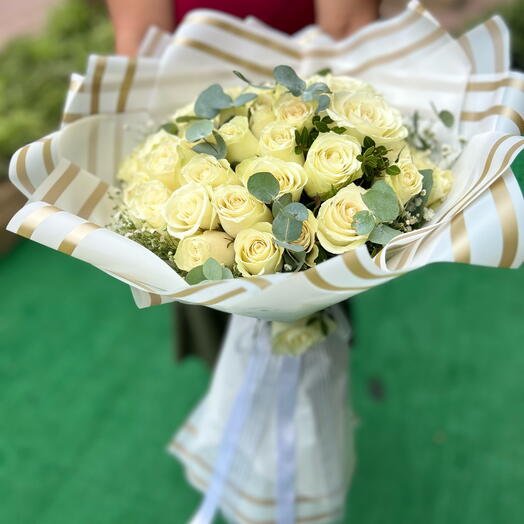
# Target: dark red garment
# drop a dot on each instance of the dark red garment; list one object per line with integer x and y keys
{"x": 286, "y": 15}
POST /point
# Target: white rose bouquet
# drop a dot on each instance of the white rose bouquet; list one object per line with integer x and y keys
{"x": 275, "y": 200}
{"x": 280, "y": 176}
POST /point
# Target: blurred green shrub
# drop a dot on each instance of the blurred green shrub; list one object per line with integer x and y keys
{"x": 35, "y": 70}
{"x": 513, "y": 14}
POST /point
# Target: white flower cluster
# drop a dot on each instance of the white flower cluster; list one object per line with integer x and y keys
{"x": 202, "y": 200}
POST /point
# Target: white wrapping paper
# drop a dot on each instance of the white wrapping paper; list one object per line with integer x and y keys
{"x": 322, "y": 427}
{"x": 410, "y": 58}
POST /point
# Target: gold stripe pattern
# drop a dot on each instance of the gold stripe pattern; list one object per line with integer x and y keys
{"x": 34, "y": 219}
{"x": 222, "y": 55}
{"x": 314, "y": 278}
{"x": 194, "y": 289}
{"x": 126, "y": 85}
{"x": 100, "y": 67}
{"x": 460, "y": 240}
{"x": 73, "y": 238}
{"x": 153, "y": 43}
{"x": 498, "y": 45}
{"x": 508, "y": 222}
{"x": 225, "y": 296}
{"x": 21, "y": 171}
{"x": 513, "y": 83}
{"x": 155, "y": 299}
{"x": 68, "y": 118}
{"x": 56, "y": 190}
{"x": 93, "y": 200}
{"x": 415, "y": 46}
{"x": 500, "y": 110}
{"x": 92, "y": 147}
{"x": 46, "y": 153}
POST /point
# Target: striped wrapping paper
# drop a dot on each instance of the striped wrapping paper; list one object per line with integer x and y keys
{"x": 410, "y": 58}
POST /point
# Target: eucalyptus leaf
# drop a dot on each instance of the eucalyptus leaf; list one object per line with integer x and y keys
{"x": 247, "y": 81}
{"x": 244, "y": 98}
{"x": 323, "y": 103}
{"x": 263, "y": 186}
{"x": 221, "y": 145}
{"x": 286, "y": 228}
{"x": 447, "y": 118}
{"x": 198, "y": 130}
{"x": 187, "y": 118}
{"x": 286, "y": 76}
{"x": 290, "y": 247}
{"x": 382, "y": 201}
{"x": 293, "y": 261}
{"x": 363, "y": 222}
{"x": 382, "y": 234}
{"x": 296, "y": 210}
{"x": 211, "y": 101}
{"x": 195, "y": 275}
{"x": 280, "y": 203}
{"x": 226, "y": 273}
{"x": 212, "y": 269}
{"x": 170, "y": 127}
{"x": 207, "y": 148}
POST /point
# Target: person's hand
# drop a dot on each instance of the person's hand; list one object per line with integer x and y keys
{"x": 340, "y": 18}
{"x": 132, "y": 19}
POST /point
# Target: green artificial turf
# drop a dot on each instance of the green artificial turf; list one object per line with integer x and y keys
{"x": 90, "y": 395}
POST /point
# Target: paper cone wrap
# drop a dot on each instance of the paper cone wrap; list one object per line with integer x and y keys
{"x": 410, "y": 58}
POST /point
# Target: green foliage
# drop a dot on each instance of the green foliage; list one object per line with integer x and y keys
{"x": 198, "y": 130}
{"x": 263, "y": 186}
{"x": 213, "y": 99}
{"x": 218, "y": 149}
{"x": 304, "y": 139}
{"x": 382, "y": 234}
{"x": 445, "y": 116}
{"x": 287, "y": 225}
{"x": 171, "y": 128}
{"x": 382, "y": 202}
{"x": 286, "y": 76}
{"x": 35, "y": 70}
{"x": 374, "y": 162}
{"x": 363, "y": 222}
{"x": 209, "y": 270}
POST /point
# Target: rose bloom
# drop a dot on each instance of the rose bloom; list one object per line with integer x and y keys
{"x": 261, "y": 113}
{"x": 240, "y": 141}
{"x": 367, "y": 115}
{"x": 237, "y": 209}
{"x": 145, "y": 200}
{"x": 256, "y": 252}
{"x": 308, "y": 237}
{"x": 294, "y": 111}
{"x": 331, "y": 162}
{"x": 297, "y": 337}
{"x": 195, "y": 250}
{"x": 442, "y": 184}
{"x": 408, "y": 182}
{"x": 342, "y": 83}
{"x": 278, "y": 139}
{"x": 189, "y": 209}
{"x": 335, "y": 218}
{"x": 290, "y": 175}
{"x": 208, "y": 170}
{"x": 161, "y": 157}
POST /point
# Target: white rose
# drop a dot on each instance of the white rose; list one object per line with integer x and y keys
{"x": 342, "y": 83}
{"x": 208, "y": 170}
{"x": 160, "y": 157}
{"x": 335, "y": 219}
{"x": 278, "y": 139}
{"x": 131, "y": 169}
{"x": 145, "y": 201}
{"x": 367, "y": 115}
{"x": 256, "y": 252}
{"x": 295, "y": 338}
{"x": 261, "y": 113}
{"x": 294, "y": 111}
{"x": 195, "y": 250}
{"x": 442, "y": 184}
{"x": 240, "y": 141}
{"x": 290, "y": 175}
{"x": 408, "y": 182}
{"x": 189, "y": 209}
{"x": 308, "y": 235}
{"x": 331, "y": 162}
{"x": 237, "y": 209}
